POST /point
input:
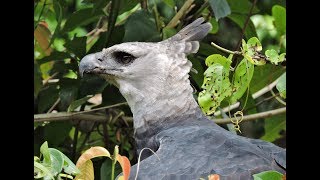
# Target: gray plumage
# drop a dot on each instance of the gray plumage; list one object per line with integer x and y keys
{"x": 153, "y": 77}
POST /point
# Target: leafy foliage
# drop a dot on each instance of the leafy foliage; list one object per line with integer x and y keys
{"x": 65, "y": 31}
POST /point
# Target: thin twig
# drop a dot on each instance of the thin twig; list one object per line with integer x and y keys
{"x": 225, "y": 50}
{"x": 251, "y": 117}
{"x": 245, "y": 25}
{"x": 44, "y": 82}
{"x": 54, "y": 105}
{"x": 278, "y": 99}
{"x": 175, "y": 20}
{"x": 67, "y": 116}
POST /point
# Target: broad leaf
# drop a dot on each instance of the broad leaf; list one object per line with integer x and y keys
{"x": 125, "y": 165}
{"x": 138, "y": 22}
{"x": 86, "y": 171}
{"x": 77, "y": 46}
{"x": 68, "y": 166}
{"x": 273, "y": 126}
{"x": 78, "y": 103}
{"x": 56, "y": 161}
{"x": 268, "y": 175}
{"x": 216, "y": 87}
{"x": 281, "y": 85}
{"x": 274, "y": 57}
{"x": 279, "y": 14}
{"x": 41, "y": 171}
{"x": 220, "y": 8}
{"x": 93, "y": 152}
{"x": 168, "y": 32}
{"x": 81, "y": 17}
{"x": 46, "y": 98}
{"x": 50, "y": 132}
{"x": 252, "y": 51}
{"x": 242, "y": 78}
{"x": 105, "y": 170}
{"x": 215, "y": 26}
{"x": 45, "y": 152}
{"x": 242, "y": 6}
{"x": 218, "y": 59}
{"x": 54, "y": 56}
{"x": 42, "y": 34}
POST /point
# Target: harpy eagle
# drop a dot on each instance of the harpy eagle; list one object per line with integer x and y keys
{"x": 153, "y": 78}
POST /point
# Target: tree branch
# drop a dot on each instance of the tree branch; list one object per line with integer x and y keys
{"x": 253, "y": 116}
{"x": 175, "y": 20}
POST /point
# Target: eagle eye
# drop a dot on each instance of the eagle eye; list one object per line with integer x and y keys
{"x": 123, "y": 57}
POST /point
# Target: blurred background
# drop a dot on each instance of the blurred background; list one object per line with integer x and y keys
{"x": 67, "y": 30}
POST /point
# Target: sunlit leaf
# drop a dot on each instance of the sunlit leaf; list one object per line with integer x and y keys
{"x": 242, "y": 78}
{"x": 252, "y": 51}
{"x": 42, "y": 34}
{"x": 68, "y": 166}
{"x": 56, "y": 161}
{"x": 93, "y": 152}
{"x": 125, "y": 165}
{"x": 45, "y": 152}
{"x": 41, "y": 171}
{"x": 220, "y": 8}
{"x": 268, "y": 175}
{"x": 281, "y": 85}
{"x": 279, "y": 14}
{"x": 86, "y": 171}
{"x": 216, "y": 87}
{"x": 274, "y": 57}
{"x": 218, "y": 59}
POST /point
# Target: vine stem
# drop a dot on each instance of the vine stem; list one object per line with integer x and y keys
{"x": 252, "y": 116}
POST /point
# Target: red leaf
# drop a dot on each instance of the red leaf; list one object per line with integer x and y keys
{"x": 125, "y": 165}
{"x": 213, "y": 177}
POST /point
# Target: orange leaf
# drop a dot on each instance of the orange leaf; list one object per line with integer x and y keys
{"x": 214, "y": 177}
{"x": 87, "y": 172}
{"x": 284, "y": 177}
{"x": 93, "y": 152}
{"x": 125, "y": 165}
{"x": 42, "y": 35}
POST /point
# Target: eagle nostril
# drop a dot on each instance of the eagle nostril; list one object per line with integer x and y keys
{"x": 99, "y": 59}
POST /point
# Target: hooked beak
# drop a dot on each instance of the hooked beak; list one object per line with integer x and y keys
{"x": 91, "y": 64}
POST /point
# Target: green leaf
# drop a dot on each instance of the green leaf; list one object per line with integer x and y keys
{"x": 45, "y": 152}
{"x": 80, "y": 18}
{"x": 105, "y": 169}
{"x": 169, "y": 3}
{"x": 242, "y": 78}
{"x": 168, "y": 32}
{"x": 46, "y": 98}
{"x": 251, "y": 51}
{"x": 141, "y": 21}
{"x": 240, "y": 20}
{"x": 56, "y": 161}
{"x": 220, "y": 8}
{"x": 273, "y": 126}
{"x": 218, "y": 59}
{"x": 90, "y": 85}
{"x": 77, "y": 46}
{"x": 268, "y": 175}
{"x": 274, "y": 57}
{"x": 115, "y": 6}
{"x": 68, "y": 92}
{"x": 279, "y": 14}
{"x": 216, "y": 87}
{"x": 126, "y": 5}
{"x": 215, "y": 26}
{"x": 264, "y": 75}
{"x": 242, "y": 6}
{"x": 281, "y": 85}
{"x": 41, "y": 171}
{"x": 68, "y": 166}
{"x": 196, "y": 64}
{"x": 50, "y": 132}
{"x": 78, "y": 103}
{"x": 54, "y": 56}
